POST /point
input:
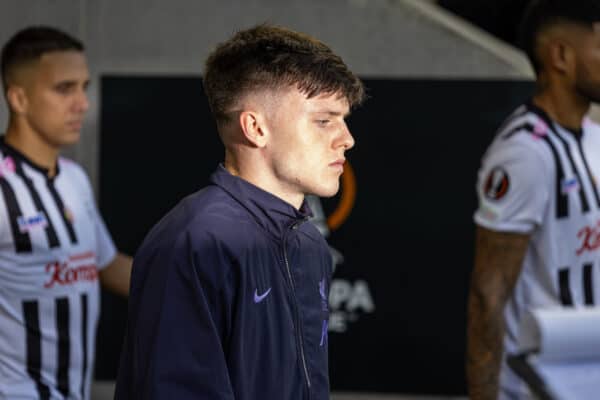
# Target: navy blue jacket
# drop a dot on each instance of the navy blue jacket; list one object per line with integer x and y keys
{"x": 228, "y": 300}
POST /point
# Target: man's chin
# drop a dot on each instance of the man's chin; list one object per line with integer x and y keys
{"x": 70, "y": 139}
{"x": 327, "y": 191}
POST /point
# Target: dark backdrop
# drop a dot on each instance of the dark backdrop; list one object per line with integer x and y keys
{"x": 499, "y": 17}
{"x": 407, "y": 244}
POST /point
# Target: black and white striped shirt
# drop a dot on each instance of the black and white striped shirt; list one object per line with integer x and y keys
{"x": 540, "y": 178}
{"x": 52, "y": 244}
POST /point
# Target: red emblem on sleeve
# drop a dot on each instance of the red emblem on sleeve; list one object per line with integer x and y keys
{"x": 497, "y": 184}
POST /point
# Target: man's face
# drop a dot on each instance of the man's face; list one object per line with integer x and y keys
{"x": 587, "y": 79}
{"x": 56, "y": 99}
{"x": 307, "y": 142}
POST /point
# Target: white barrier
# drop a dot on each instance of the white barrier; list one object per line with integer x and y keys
{"x": 560, "y": 353}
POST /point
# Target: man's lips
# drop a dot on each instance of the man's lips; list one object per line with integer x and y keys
{"x": 338, "y": 163}
{"x": 75, "y": 124}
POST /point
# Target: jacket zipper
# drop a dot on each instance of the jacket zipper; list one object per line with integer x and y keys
{"x": 298, "y": 327}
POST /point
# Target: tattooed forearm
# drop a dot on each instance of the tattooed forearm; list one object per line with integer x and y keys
{"x": 498, "y": 260}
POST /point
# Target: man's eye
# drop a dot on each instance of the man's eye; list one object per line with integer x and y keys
{"x": 322, "y": 122}
{"x": 63, "y": 88}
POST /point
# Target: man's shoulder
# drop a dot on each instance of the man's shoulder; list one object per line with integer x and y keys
{"x": 70, "y": 165}
{"x": 205, "y": 229}
{"x": 523, "y": 135}
{"x": 523, "y": 123}
{"x": 591, "y": 137}
{"x": 208, "y": 213}
{"x": 73, "y": 171}
{"x": 213, "y": 207}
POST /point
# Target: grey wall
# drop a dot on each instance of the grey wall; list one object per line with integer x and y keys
{"x": 375, "y": 37}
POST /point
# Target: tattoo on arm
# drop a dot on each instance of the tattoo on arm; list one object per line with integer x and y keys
{"x": 498, "y": 262}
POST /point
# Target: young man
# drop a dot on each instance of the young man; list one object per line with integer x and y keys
{"x": 53, "y": 243}
{"x": 539, "y": 213}
{"x": 229, "y": 291}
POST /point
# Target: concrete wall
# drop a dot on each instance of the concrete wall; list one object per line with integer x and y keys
{"x": 377, "y": 38}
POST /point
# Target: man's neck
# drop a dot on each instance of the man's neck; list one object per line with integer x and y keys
{"x": 259, "y": 178}
{"x": 34, "y": 148}
{"x": 564, "y": 107}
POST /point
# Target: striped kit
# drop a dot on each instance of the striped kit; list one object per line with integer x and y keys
{"x": 52, "y": 243}
{"x": 549, "y": 178}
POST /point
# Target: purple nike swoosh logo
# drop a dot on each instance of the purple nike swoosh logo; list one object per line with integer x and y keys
{"x": 258, "y": 298}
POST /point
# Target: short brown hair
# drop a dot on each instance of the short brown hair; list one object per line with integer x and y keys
{"x": 272, "y": 57}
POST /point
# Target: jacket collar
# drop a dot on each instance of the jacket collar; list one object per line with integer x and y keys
{"x": 273, "y": 214}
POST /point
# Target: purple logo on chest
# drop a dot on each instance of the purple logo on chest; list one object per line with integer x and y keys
{"x": 260, "y": 297}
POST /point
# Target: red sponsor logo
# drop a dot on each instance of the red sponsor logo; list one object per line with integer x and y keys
{"x": 63, "y": 273}
{"x": 590, "y": 238}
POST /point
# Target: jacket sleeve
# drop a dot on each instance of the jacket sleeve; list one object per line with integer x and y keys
{"x": 180, "y": 303}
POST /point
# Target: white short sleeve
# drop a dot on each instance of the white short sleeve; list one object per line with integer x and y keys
{"x": 106, "y": 250}
{"x": 513, "y": 185}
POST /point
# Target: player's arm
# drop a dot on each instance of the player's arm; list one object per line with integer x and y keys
{"x": 498, "y": 263}
{"x": 513, "y": 187}
{"x": 117, "y": 275}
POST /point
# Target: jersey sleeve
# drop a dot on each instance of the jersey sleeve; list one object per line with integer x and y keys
{"x": 105, "y": 247}
{"x": 106, "y": 250}
{"x": 513, "y": 186}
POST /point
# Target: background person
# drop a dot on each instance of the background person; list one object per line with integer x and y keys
{"x": 539, "y": 204}
{"x": 54, "y": 246}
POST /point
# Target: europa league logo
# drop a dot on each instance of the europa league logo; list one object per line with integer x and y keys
{"x": 327, "y": 224}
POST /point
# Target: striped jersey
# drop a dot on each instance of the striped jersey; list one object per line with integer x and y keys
{"x": 52, "y": 244}
{"x": 538, "y": 177}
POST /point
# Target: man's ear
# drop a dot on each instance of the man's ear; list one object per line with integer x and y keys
{"x": 254, "y": 127}
{"x": 562, "y": 56}
{"x": 17, "y": 99}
